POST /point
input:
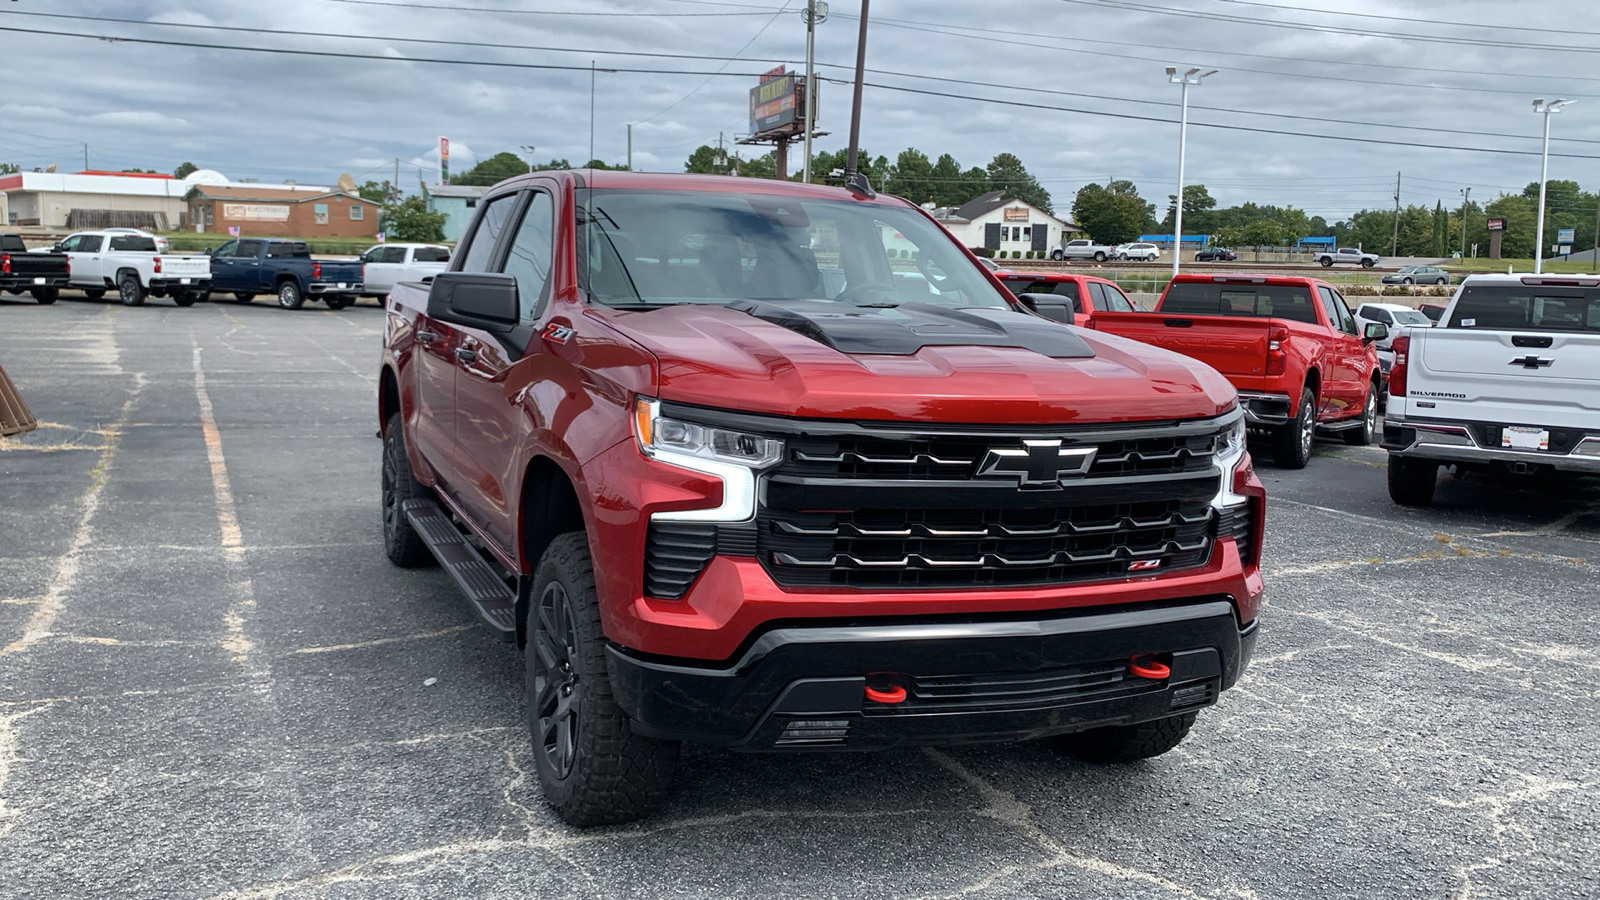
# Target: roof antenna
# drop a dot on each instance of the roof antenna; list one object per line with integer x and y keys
{"x": 857, "y": 183}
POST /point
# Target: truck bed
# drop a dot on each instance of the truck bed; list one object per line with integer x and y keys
{"x": 1236, "y": 346}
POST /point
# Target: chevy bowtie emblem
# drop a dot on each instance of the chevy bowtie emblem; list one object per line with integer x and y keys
{"x": 1038, "y": 464}
{"x": 1531, "y": 362}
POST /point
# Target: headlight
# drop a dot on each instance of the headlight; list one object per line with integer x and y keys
{"x": 1230, "y": 450}
{"x": 732, "y": 456}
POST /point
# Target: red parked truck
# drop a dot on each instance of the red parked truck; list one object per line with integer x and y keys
{"x": 1289, "y": 344}
{"x": 733, "y": 473}
{"x": 1066, "y": 296}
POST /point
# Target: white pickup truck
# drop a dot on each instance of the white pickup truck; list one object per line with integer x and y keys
{"x": 1509, "y": 379}
{"x": 1083, "y": 248}
{"x": 130, "y": 265}
{"x": 389, "y": 264}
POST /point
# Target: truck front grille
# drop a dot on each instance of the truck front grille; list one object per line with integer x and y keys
{"x": 960, "y": 693}
{"x": 889, "y": 548}
{"x": 1238, "y": 522}
{"x": 958, "y": 456}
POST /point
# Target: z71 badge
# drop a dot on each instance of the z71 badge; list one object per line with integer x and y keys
{"x": 558, "y": 333}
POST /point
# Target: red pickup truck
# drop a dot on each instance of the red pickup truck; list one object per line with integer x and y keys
{"x": 1065, "y": 296}
{"x": 1289, "y": 344}
{"x": 733, "y": 473}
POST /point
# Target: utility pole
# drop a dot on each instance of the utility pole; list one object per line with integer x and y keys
{"x": 855, "y": 105}
{"x": 394, "y": 191}
{"x": 1466, "y": 194}
{"x": 721, "y": 159}
{"x": 1394, "y": 246}
{"x": 86, "y": 156}
{"x": 591, "y": 109}
{"x": 1595, "y": 253}
{"x": 814, "y": 9}
{"x": 630, "y": 146}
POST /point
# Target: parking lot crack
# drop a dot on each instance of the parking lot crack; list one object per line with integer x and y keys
{"x": 9, "y": 761}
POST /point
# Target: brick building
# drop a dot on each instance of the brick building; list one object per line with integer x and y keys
{"x": 262, "y": 212}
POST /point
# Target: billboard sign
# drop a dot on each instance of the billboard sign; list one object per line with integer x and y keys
{"x": 773, "y": 105}
{"x": 1566, "y": 235}
{"x": 444, "y": 160}
{"x": 1497, "y": 224}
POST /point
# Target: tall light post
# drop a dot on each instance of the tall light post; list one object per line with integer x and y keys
{"x": 1193, "y": 76}
{"x": 529, "y": 148}
{"x": 1466, "y": 194}
{"x": 1545, "y": 109}
{"x": 815, "y": 11}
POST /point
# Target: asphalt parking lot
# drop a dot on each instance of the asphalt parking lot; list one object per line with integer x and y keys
{"x": 213, "y": 684}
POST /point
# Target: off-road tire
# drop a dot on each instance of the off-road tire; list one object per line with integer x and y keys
{"x": 289, "y": 296}
{"x": 1411, "y": 481}
{"x": 185, "y": 298}
{"x": 1362, "y": 435}
{"x": 130, "y": 290}
{"x": 94, "y": 293}
{"x": 46, "y": 296}
{"x": 1127, "y": 743}
{"x": 401, "y": 543}
{"x": 595, "y": 770}
{"x": 1291, "y": 446}
{"x": 243, "y": 297}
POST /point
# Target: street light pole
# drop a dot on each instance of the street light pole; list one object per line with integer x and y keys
{"x": 815, "y": 12}
{"x": 530, "y": 148}
{"x": 1545, "y": 109}
{"x": 1193, "y": 76}
{"x": 1466, "y": 194}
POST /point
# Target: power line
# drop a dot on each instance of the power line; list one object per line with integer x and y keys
{"x": 1330, "y": 29}
{"x": 702, "y": 84}
{"x": 545, "y": 12}
{"x": 1409, "y": 20}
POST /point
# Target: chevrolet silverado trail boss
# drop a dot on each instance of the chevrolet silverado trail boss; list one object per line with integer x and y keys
{"x": 1289, "y": 344}
{"x": 1509, "y": 380}
{"x": 728, "y": 479}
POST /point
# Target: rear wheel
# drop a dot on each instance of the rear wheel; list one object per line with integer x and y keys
{"x": 1366, "y": 264}
{"x": 1058, "y": 256}
{"x": 593, "y": 768}
{"x": 243, "y": 297}
{"x": 1442, "y": 281}
{"x": 1405, "y": 280}
{"x": 1291, "y": 446}
{"x": 337, "y": 302}
{"x": 94, "y": 293}
{"x": 289, "y": 296}
{"x": 1361, "y": 436}
{"x": 1411, "y": 481}
{"x": 1326, "y": 261}
{"x": 1099, "y": 257}
{"x": 130, "y": 290}
{"x": 185, "y": 298}
{"x": 1127, "y": 743}
{"x": 46, "y": 296}
{"x": 401, "y": 543}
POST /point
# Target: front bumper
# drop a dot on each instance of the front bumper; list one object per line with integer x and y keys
{"x": 1266, "y": 409}
{"x": 966, "y": 681}
{"x": 1452, "y": 442}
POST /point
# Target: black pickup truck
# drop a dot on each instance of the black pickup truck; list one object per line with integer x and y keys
{"x": 251, "y": 266}
{"x": 41, "y": 274}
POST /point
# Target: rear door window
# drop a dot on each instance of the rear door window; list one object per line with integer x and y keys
{"x": 432, "y": 254}
{"x": 247, "y": 250}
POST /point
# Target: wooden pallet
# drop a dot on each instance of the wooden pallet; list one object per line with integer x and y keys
{"x": 15, "y": 417}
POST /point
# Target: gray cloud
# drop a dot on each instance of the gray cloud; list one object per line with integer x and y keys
{"x": 310, "y": 118}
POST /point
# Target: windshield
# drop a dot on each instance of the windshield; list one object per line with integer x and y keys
{"x": 655, "y": 248}
{"x": 1410, "y": 317}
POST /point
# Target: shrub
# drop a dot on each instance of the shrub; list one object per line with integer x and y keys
{"x": 1359, "y": 290}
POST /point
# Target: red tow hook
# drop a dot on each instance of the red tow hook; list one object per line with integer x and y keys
{"x": 1145, "y": 665}
{"x": 895, "y": 694}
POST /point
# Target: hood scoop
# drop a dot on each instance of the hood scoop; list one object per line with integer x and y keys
{"x": 905, "y": 329}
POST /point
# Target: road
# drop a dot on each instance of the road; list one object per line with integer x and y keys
{"x": 212, "y": 684}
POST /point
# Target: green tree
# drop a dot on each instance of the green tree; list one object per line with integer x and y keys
{"x": 140, "y": 171}
{"x": 1113, "y": 213}
{"x": 184, "y": 170}
{"x": 1521, "y": 215}
{"x": 912, "y": 177}
{"x": 706, "y": 160}
{"x": 1441, "y": 230}
{"x": 605, "y": 167}
{"x": 9, "y": 168}
{"x": 493, "y": 170}
{"x": 1007, "y": 173}
{"x": 409, "y": 220}
{"x": 1197, "y": 206}
{"x": 379, "y": 192}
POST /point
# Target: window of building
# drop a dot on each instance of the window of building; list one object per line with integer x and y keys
{"x": 357, "y": 212}
{"x": 321, "y": 213}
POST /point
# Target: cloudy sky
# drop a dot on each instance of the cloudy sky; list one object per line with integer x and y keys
{"x": 1321, "y": 108}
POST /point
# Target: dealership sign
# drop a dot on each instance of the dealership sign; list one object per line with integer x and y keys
{"x": 255, "y": 212}
{"x": 1497, "y": 224}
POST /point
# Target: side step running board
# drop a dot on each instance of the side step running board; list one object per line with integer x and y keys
{"x": 482, "y": 582}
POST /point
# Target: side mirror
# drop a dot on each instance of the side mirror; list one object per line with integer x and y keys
{"x": 1375, "y": 331}
{"x": 475, "y": 299}
{"x": 1051, "y": 306}
{"x": 209, "y": 251}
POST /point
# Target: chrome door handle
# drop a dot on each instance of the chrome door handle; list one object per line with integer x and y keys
{"x": 466, "y": 355}
{"x": 427, "y": 337}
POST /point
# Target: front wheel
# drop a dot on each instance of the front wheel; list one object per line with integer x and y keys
{"x": 1442, "y": 281}
{"x": 1367, "y": 264}
{"x": 243, "y": 297}
{"x": 1127, "y": 743}
{"x": 1405, "y": 280}
{"x": 130, "y": 290}
{"x": 185, "y": 298}
{"x": 46, "y": 296}
{"x": 94, "y": 293}
{"x": 1411, "y": 481}
{"x": 1291, "y": 447}
{"x": 1362, "y": 436}
{"x": 337, "y": 302}
{"x": 593, "y": 768}
{"x": 289, "y": 296}
{"x": 1057, "y": 256}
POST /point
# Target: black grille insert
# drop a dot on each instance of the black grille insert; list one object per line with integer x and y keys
{"x": 1238, "y": 522}
{"x": 675, "y": 553}
{"x": 947, "y": 457}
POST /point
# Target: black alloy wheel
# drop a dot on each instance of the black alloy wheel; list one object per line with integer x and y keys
{"x": 94, "y": 293}
{"x": 401, "y": 543}
{"x": 1362, "y": 436}
{"x": 130, "y": 290}
{"x": 555, "y": 683}
{"x": 243, "y": 297}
